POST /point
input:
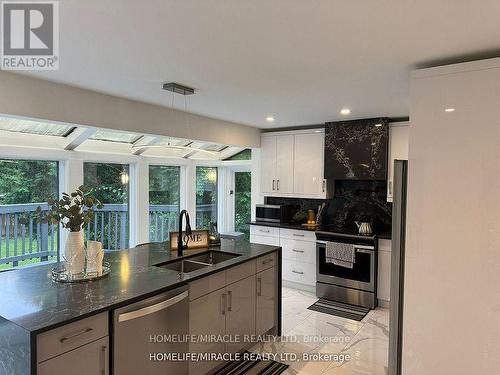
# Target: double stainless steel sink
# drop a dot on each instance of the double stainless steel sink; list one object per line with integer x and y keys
{"x": 198, "y": 261}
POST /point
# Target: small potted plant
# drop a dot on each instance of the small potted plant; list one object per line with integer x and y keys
{"x": 74, "y": 212}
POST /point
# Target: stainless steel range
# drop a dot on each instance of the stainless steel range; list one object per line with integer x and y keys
{"x": 354, "y": 283}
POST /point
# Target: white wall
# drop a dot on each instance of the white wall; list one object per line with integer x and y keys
{"x": 39, "y": 99}
{"x": 452, "y": 290}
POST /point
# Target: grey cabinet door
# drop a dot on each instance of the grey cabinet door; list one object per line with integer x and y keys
{"x": 207, "y": 316}
{"x": 240, "y": 318}
{"x": 90, "y": 359}
{"x": 266, "y": 300}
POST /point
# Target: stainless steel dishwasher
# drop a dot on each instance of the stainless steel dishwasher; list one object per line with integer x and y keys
{"x": 142, "y": 330}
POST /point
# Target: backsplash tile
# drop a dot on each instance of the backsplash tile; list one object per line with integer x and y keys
{"x": 362, "y": 200}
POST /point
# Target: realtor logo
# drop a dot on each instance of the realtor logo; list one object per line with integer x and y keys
{"x": 30, "y": 35}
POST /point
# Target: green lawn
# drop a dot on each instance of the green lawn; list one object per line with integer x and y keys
{"x": 3, "y": 251}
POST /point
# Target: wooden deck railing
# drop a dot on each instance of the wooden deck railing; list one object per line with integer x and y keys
{"x": 36, "y": 242}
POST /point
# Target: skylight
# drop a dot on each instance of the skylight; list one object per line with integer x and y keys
{"x": 12, "y": 124}
{"x": 208, "y": 146}
{"x": 112, "y": 136}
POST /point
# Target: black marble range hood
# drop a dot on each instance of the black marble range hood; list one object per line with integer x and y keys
{"x": 356, "y": 150}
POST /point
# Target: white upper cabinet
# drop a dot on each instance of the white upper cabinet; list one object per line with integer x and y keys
{"x": 292, "y": 164}
{"x": 308, "y": 165}
{"x": 398, "y": 150}
{"x": 284, "y": 164}
{"x": 268, "y": 164}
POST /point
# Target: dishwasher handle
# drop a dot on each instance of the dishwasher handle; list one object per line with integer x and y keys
{"x": 148, "y": 310}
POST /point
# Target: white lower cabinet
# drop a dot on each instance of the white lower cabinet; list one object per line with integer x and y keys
{"x": 298, "y": 252}
{"x": 299, "y": 272}
{"x": 264, "y": 240}
{"x": 265, "y": 235}
{"x": 299, "y": 256}
{"x": 384, "y": 271}
{"x": 301, "y": 251}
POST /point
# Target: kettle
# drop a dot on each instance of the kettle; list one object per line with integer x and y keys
{"x": 364, "y": 228}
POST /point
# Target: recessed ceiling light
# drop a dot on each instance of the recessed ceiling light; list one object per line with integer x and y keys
{"x": 378, "y": 125}
{"x": 270, "y": 119}
{"x": 449, "y": 110}
{"x": 345, "y": 111}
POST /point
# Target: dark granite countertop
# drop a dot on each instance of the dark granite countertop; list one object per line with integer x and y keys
{"x": 30, "y": 299}
{"x": 284, "y": 225}
{"x": 385, "y": 236}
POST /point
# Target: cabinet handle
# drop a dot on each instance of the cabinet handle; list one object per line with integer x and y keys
{"x": 264, "y": 231}
{"x": 103, "y": 353}
{"x": 267, "y": 261}
{"x": 273, "y": 185}
{"x": 390, "y": 187}
{"x": 223, "y": 303}
{"x": 75, "y": 335}
{"x": 298, "y": 251}
{"x": 298, "y": 272}
{"x": 230, "y": 303}
{"x": 298, "y": 235}
{"x": 259, "y": 286}
{"x": 324, "y": 186}
{"x": 278, "y": 185}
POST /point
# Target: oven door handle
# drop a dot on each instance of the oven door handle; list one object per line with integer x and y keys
{"x": 364, "y": 251}
{"x": 359, "y": 248}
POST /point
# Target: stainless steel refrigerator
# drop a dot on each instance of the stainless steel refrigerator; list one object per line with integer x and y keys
{"x": 397, "y": 265}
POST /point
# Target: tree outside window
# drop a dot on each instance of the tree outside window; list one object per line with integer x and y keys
{"x": 206, "y": 197}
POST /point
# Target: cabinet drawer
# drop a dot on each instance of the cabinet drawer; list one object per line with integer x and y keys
{"x": 302, "y": 251}
{"x": 240, "y": 272}
{"x": 264, "y": 231}
{"x": 264, "y": 240}
{"x": 71, "y": 336}
{"x": 294, "y": 234}
{"x": 266, "y": 261}
{"x": 92, "y": 358}
{"x": 299, "y": 272}
{"x": 206, "y": 285}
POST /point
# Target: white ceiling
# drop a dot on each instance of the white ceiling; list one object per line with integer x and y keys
{"x": 297, "y": 60}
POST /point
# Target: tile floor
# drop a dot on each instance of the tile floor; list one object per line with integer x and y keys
{"x": 307, "y": 331}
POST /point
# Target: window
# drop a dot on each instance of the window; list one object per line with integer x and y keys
{"x": 242, "y": 155}
{"x": 109, "y": 184}
{"x": 164, "y": 201}
{"x": 25, "y": 185}
{"x": 242, "y": 198}
{"x": 34, "y": 127}
{"x": 206, "y": 197}
{"x": 112, "y": 136}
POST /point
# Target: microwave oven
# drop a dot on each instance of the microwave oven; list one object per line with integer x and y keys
{"x": 271, "y": 213}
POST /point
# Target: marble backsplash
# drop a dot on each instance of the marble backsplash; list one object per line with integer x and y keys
{"x": 363, "y": 200}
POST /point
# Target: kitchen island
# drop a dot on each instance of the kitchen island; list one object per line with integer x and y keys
{"x": 33, "y": 306}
